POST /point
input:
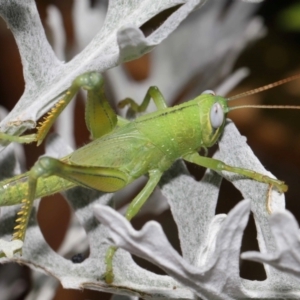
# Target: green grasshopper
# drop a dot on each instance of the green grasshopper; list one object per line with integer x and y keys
{"x": 122, "y": 150}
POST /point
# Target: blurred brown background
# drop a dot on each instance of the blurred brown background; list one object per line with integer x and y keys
{"x": 274, "y": 135}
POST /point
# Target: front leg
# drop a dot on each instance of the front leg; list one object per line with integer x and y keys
{"x": 219, "y": 166}
{"x": 99, "y": 116}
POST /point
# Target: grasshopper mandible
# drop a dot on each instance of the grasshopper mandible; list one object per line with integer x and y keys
{"x": 122, "y": 150}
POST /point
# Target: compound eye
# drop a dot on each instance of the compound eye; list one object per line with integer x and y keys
{"x": 216, "y": 115}
{"x": 209, "y": 92}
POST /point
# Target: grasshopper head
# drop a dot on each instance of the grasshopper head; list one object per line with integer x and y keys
{"x": 213, "y": 109}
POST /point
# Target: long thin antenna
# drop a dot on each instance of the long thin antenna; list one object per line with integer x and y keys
{"x": 265, "y": 106}
{"x": 265, "y": 87}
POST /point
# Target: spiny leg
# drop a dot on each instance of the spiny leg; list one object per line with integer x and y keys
{"x": 133, "y": 209}
{"x": 100, "y": 178}
{"x": 154, "y": 93}
{"x": 25, "y": 211}
{"x": 99, "y": 116}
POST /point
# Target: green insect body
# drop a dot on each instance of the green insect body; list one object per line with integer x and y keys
{"x": 131, "y": 148}
{"x": 123, "y": 150}
{"x": 150, "y": 142}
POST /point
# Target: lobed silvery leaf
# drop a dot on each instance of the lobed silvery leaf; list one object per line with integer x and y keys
{"x": 286, "y": 258}
{"x": 46, "y": 77}
{"x": 277, "y": 284}
{"x": 211, "y": 281}
{"x": 195, "y": 52}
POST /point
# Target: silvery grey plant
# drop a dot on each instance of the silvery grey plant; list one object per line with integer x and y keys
{"x": 210, "y": 243}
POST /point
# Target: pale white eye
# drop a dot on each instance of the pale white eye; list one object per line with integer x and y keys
{"x": 216, "y": 115}
{"x": 210, "y": 92}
